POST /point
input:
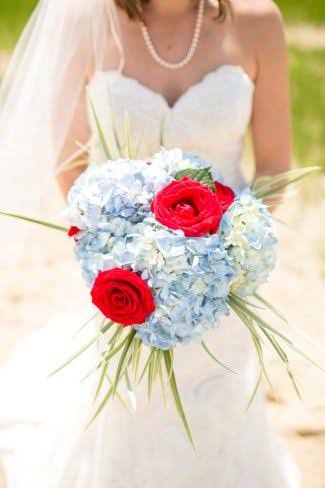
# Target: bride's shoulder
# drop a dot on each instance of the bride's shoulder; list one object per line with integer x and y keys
{"x": 260, "y": 25}
{"x": 258, "y": 15}
{"x": 256, "y": 9}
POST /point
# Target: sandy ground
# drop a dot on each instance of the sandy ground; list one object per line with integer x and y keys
{"x": 50, "y": 285}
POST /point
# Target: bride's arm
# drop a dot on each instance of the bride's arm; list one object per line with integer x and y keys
{"x": 271, "y": 119}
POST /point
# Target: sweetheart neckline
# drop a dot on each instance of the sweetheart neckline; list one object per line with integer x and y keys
{"x": 186, "y": 93}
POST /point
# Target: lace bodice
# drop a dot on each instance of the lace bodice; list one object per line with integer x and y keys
{"x": 210, "y": 119}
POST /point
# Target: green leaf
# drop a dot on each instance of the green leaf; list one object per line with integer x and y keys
{"x": 270, "y": 333}
{"x": 255, "y": 390}
{"x": 246, "y": 302}
{"x": 129, "y": 151}
{"x": 204, "y": 176}
{"x": 111, "y": 344}
{"x": 248, "y": 321}
{"x": 100, "y": 132}
{"x": 176, "y": 397}
{"x": 101, "y": 405}
{"x": 130, "y": 389}
{"x": 76, "y": 355}
{"x": 259, "y": 320}
{"x": 83, "y": 349}
{"x": 140, "y": 140}
{"x": 270, "y": 307}
{"x": 101, "y": 380}
{"x": 85, "y": 325}
{"x": 123, "y": 359}
{"x": 136, "y": 356}
{"x": 271, "y": 185}
{"x": 207, "y": 350}
{"x": 115, "y": 133}
{"x": 161, "y": 377}
{"x": 146, "y": 365}
{"x": 161, "y": 131}
{"x": 151, "y": 374}
{"x": 171, "y": 365}
{"x": 283, "y": 356}
{"x": 35, "y": 221}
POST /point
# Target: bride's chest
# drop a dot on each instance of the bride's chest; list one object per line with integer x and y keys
{"x": 216, "y": 110}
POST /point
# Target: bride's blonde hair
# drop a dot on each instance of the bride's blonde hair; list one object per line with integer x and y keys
{"x": 134, "y": 12}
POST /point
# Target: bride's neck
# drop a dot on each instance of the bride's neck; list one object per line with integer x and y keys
{"x": 171, "y": 7}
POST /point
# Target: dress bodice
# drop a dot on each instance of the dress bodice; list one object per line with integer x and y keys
{"x": 210, "y": 119}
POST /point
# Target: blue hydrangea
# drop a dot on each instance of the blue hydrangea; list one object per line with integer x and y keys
{"x": 117, "y": 189}
{"x": 190, "y": 278}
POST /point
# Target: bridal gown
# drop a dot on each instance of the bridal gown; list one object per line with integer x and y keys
{"x": 44, "y": 443}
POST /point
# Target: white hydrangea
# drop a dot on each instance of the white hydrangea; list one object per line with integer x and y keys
{"x": 246, "y": 229}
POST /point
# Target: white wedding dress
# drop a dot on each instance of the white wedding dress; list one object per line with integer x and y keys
{"x": 43, "y": 440}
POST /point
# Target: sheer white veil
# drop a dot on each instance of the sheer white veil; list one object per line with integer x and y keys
{"x": 39, "y": 98}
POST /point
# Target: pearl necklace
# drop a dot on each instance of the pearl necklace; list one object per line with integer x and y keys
{"x": 192, "y": 48}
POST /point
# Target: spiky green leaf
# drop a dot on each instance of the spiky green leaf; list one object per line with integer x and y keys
{"x": 100, "y": 132}
{"x": 207, "y": 350}
{"x": 35, "y": 221}
{"x": 176, "y": 396}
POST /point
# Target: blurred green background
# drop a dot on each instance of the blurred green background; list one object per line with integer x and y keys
{"x": 305, "y": 21}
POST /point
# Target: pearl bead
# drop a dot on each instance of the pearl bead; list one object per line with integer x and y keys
{"x": 192, "y": 48}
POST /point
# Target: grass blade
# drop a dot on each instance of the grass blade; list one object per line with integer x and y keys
{"x": 136, "y": 357}
{"x": 129, "y": 152}
{"x": 281, "y": 181}
{"x": 103, "y": 330}
{"x": 101, "y": 406}
{"x": 100, "y": 132}
{"x": 85, "y": 325}
{"x": 255, "y": 337}
{"x": 151, "y": 374}
{"x": 123, "y": 359}
{"x": 101, "y": 381}
{"x": 35, "y": 221}
{"x": 115, "y": 133}
{"x": 138, "y": 146}
{"x": 161, "y": 132}
{"x": 82, "y": 350}
{"x": 146, "y": 365}
{"x": 207, "y": 350}
{"x": 254, "y": 392}
{"x": 259, "y": 321}
{"x": 270, "y": 307}
{"x": 161, "y": 378}
{"x": 130, "y": 390}
{"x": 175, "y": 395}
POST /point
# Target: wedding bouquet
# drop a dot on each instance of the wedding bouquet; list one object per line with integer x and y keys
{"x": 167, "y": 250}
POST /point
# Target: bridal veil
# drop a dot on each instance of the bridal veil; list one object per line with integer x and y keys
{"x": 39, "y": 101}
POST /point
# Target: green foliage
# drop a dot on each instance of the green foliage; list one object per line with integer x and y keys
{"x": 204, "y": 176}
{"x": 13, "y": 16}
{"x": 34, "y": 221}
{"x": 308, "y": 105}
{"x": 302, "y": 10}
{"x": 307, "y": 72}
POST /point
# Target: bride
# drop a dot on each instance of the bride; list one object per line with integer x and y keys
{"x": 195, "y": 74}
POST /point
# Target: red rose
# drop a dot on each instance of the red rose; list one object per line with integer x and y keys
{"x": 188, "y": 205}
{"x": 225, "y": 195}
{"x": 122, "y": 296}
{"x": 73, "y": 231}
